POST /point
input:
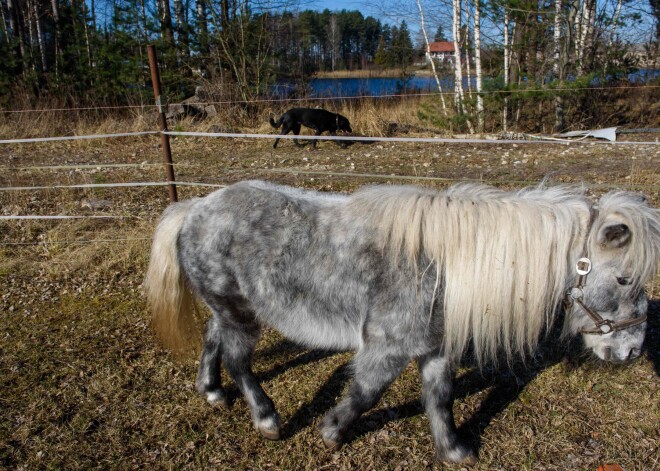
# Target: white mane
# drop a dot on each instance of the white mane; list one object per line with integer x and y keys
{"x": 502, "y": 257}
{"x": 639, "y": 262}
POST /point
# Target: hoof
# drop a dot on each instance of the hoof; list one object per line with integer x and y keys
{"x": 217, "y": 399}
{"x": 466, "y": 457}
{"x": 270, "y": 434}
{"x": 269, "y": 428}
{"x": 332, "y": 444}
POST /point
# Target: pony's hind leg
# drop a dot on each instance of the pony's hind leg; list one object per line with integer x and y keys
{"x": 437, "y": 397}
{"x": 239, "y": 339}
{"x": 231, "y": 335}
{"x": 208, "y": 376}
{"x": 375, "y": 369}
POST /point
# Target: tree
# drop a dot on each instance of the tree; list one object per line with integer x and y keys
{"x": 428, "y": 55}
{"x": 655, "y": 8}
{"x": 477, "y": 60}
{"x": 402, "y": 46}
{"x": 439, "y": 34}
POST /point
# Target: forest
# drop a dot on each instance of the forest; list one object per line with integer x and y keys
{"x": 93, "y": 53}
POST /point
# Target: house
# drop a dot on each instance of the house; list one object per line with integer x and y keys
{"x": 441, "y": 51}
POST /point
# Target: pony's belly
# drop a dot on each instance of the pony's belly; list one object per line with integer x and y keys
{"x": 315, "y": 330}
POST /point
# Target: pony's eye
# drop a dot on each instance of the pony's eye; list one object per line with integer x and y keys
{"x": 622, "y": 280}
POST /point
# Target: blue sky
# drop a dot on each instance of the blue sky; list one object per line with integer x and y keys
{"x": 439, "y": 12}
{"x": 340, "y": 5}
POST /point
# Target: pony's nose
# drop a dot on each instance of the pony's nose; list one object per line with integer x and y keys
{"x": 634, "y": 353}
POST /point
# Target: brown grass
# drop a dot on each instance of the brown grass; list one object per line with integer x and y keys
{"x": 85, "y": 384}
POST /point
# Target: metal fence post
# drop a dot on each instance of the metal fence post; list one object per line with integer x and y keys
{"x": 161, "y": 103}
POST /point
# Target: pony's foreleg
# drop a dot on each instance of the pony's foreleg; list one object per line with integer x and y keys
{"x": 375, "y": 369}
{"x": 437, "y": 397}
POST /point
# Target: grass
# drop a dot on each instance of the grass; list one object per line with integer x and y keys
{"x": 86, "y": 385}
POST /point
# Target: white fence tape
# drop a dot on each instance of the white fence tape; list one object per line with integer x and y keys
{"x": 82, "y": 166}
{"x": 62, "y": 216}
{"x": 434, "y": 140}
{"x": 329, "y": 173}
{"x": 107, "y": 185}
{"x": 90, "y": 241}
{"x": 75, "y": 138}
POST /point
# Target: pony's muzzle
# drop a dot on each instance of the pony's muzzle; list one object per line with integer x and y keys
{"x": 609, "y": 355}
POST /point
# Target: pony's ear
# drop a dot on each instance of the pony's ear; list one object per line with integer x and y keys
{"x": 614, "y": 236}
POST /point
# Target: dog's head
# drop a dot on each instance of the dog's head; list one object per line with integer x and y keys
{"x": 343, "y": 124}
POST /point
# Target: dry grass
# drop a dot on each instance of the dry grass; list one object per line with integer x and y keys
{"x": 85, "y": 385}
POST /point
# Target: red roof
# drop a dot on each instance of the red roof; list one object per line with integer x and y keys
{"x": 441, "y": 46}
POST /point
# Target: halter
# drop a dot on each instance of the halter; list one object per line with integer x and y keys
{"x": 574, "y": 295}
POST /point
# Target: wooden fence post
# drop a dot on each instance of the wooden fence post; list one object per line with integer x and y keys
{"x": 161, "y": 103}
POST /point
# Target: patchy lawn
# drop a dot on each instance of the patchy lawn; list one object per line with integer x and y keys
{"x": 85, "y": 384}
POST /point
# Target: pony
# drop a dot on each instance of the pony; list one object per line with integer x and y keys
{"x": 399, "y": 273}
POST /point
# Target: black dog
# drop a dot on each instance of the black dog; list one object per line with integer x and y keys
{"x": 313, "y": 118}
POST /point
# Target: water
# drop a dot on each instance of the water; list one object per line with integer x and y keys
{"x": 381, "y": 86}
{"x": 352, "y": 87}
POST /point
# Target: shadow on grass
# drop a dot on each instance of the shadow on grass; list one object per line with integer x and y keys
{"x": 652, "y": 341}
{"x": 505, "y": 385}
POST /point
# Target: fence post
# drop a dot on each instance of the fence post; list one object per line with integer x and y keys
{"x": 161, "y": 103}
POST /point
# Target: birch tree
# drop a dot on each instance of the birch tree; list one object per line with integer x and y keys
{"x": 557, "y": 67}
{"x": 182, "y": 28}
{"x": 507, "y": 56}
{"x": 477, "y": 65}
{"x": 430, "y": 59}
{"x": 458, "y": 73}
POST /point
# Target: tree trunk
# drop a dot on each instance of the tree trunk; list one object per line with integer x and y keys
{"x": 429, "y": 58}
{"x": 86, "y": 30}
{"x": 578, "y": 38}
{"x": 507, "y": 48}
{"x": 182, "y": 28}
{"x": 58, "y": 35}
{"x": 5, "y": 31}
{"x": 458, "y": 72}
{"x": 202, "y": 27}
{"x": 477, "y": 60}
{"x": 334, "y": 40}
{"x": 17, "y": 31}
{"x": 167, "y": 31}
{"x": 615, "y": 21}
{"x": 224, "y": 14}
{"x": 557, "y": 68}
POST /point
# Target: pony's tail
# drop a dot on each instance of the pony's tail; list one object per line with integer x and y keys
{"x": 172, "y": 305}
{"x": 277, "y": 124}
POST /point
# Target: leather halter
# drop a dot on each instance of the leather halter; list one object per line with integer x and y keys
{"x": 574, "y": 295}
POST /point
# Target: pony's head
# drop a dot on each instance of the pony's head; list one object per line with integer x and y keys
{"x": 608, "y": 304}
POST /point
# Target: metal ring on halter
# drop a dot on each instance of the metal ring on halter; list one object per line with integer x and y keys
{"x": 576, "y": 293}
{"x": 583, "y": 266}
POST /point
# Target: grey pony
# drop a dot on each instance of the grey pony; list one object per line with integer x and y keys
{"x": 325, "y": 271}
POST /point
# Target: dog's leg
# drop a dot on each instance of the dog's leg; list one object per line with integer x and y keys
{"x": 286, "y": 128}
{"x": 296, "y": 131}
{"x": 314, "y": 142}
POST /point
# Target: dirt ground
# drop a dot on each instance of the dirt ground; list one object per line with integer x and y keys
{"x": 85, "y": 384}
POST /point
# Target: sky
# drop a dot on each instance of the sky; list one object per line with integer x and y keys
{"x": 439, "y": 12}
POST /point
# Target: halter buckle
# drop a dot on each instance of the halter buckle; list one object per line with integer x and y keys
{"x": 583, "y": 266}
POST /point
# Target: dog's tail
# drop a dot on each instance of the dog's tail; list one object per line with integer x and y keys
{"x": 277, "y": 124}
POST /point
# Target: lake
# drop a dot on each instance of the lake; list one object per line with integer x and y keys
{"x": 380, "y": 86}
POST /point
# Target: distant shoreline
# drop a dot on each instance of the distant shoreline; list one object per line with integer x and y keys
{"x": 372, "y": 73}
